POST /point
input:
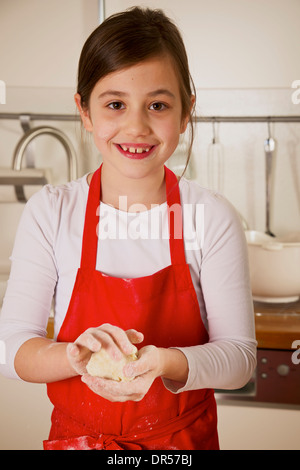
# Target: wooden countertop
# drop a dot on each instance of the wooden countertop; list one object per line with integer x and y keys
{"x": 276, "y": 325}
{"x": 50, "y": 328}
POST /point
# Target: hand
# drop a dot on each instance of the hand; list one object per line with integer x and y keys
{"x": 145, "y": 370}
{"x": 115, "y": 340}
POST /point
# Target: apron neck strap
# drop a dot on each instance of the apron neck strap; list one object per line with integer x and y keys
{"x": 175, "y": 218}
{"x": 91, "y": 224}
{"x": 92, "y": 214}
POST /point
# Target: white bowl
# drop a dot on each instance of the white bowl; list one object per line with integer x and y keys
{"x": 274, "y": 267}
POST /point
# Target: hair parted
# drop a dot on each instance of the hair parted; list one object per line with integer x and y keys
{"x": 127, "y": 38}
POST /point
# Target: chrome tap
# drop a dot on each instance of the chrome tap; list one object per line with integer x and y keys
{"x": 27, "y": 138}
{"x": 35, "y": 132}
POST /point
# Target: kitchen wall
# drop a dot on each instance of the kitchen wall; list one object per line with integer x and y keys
{"x": 231, "y": 43}
{"x": 40, "y": 44}
{"x": 235, "y": 43}
{"x": 244, "y": 57}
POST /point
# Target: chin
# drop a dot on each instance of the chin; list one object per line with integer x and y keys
{"x": 136, "y": 169}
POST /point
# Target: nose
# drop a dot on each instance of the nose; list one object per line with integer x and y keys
{"x": 137, "y": 123}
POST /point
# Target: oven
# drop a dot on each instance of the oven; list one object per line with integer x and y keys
{"x": 275, "y": 380}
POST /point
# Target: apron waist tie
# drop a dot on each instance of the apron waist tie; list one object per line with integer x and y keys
{"x": 133, "y": 441}
{"x": 102, "y": 442}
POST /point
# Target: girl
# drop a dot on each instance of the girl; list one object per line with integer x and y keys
{"x": 184, "y": 300}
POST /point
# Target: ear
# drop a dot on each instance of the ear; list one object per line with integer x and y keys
{"x": 84, "y": 114}
{"x": 185, "y": 119}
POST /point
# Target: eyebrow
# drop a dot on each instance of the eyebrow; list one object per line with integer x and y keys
{"x": 160, "y": 91}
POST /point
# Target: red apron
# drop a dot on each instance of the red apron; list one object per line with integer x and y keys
{"x": 164, "y": 307}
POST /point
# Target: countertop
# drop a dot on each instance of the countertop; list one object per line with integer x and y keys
{"x": 276, "y": 325}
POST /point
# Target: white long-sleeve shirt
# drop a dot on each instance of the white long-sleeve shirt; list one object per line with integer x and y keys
{"x": 46, "y": 257}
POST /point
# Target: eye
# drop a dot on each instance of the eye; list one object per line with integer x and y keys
{"x": 116, "y": 105}
{"x": 158, "y": 106}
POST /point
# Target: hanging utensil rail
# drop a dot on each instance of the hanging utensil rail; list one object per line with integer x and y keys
{"x": 41, "y": 117}
{"x": 203, "y": 119}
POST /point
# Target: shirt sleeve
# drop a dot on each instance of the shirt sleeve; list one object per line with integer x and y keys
{"x": 228, "y": 360}
{"x": 27, "y": 302}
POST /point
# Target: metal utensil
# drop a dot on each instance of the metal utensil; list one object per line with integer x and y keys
{"x": 215, "y": 163}
{"x": 269, "y": 152}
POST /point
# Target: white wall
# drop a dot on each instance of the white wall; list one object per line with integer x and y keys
{"x": 235, "y": 43}
{"x": 244, "y": 55}
{"x": 41, "y": 41}
{"x": 231, "y": 43}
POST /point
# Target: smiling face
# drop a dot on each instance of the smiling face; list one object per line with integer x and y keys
{"x": 135, "y": 115}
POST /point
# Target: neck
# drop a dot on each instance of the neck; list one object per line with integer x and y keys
{"x": 132, "y": 194}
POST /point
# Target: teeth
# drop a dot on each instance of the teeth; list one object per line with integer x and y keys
{"x": 135, "y": 150}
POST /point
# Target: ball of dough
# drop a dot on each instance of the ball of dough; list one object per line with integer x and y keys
{"x": 101, "y": 364}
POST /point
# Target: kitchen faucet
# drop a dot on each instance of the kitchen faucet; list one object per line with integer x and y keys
{"x": 31, "y": 135}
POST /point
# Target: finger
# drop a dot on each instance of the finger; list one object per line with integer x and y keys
{"x": 107, "y": 342}
{"x": 78, "y": 357}
{"x": 110, "y": 389}
{"x": 144, "y": 364}
{"x": 95, "y": 338}
{"x": 120, "y": 338}
{"x": 72, "y": 349}
{"x": 77, "y": 352}
{"x": 136, "y": 368}
{"x": 135, "y": 336}
{"x": 89, "y": 340}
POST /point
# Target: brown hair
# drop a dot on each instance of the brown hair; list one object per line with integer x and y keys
{"x": 127, "y": 38}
